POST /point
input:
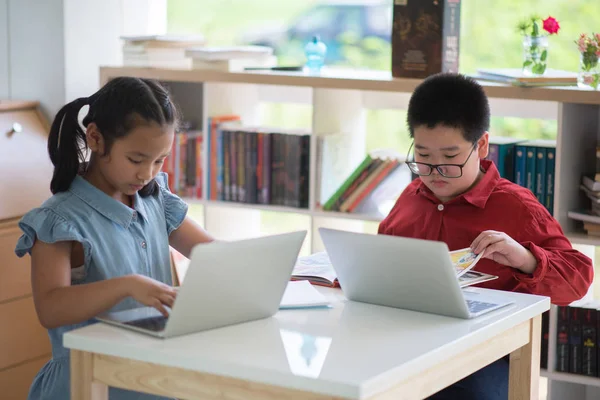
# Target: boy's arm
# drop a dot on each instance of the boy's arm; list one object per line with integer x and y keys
{"x": 562, "y": 273}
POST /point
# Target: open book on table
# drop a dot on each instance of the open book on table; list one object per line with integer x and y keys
{"x": 317, "y": 269}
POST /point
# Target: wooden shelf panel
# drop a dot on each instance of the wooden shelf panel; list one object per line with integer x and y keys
{"x": 349, "y": 80}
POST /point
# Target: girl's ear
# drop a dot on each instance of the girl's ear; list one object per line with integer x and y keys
{"x": 483, "y": 145}
{"x": 95, "y": 140}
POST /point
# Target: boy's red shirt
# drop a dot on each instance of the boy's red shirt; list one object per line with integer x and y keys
{"x": 562, "y": 273}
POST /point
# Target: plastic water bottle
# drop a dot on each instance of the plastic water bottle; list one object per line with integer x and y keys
{"x": 315, "y": 52}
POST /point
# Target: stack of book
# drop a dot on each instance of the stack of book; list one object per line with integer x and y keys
{"x": 516, "y": 77}
{"x": 159, "y": 51}
{"x": 232, "y": 58}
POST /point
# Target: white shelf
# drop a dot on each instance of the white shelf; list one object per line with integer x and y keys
{"x": 343, "y": 215}
{"x": 571, "y": 378}
{"x": 583, "y": 238}
{"x": 250, "y": 206}
{"x": 294, "y": 210}
{"x": 347, "y": 79}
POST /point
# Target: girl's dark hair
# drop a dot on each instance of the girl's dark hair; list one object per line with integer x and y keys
{"x": 117, "y": 108}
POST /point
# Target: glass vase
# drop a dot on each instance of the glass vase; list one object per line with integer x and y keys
{"x": 589, "y": 71}
{"x": 535, "y": 55}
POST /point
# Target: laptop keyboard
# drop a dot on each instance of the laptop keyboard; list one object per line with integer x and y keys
{"x": 155, "y": 324}
{"x": 478, "y": 306}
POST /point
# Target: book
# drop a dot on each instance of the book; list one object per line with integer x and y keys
{"x": 515, "y": 76}
{"x": 159, "y": 51}
{"x": 317, "y": 269}
{"x": 425, "y": 37}
{"x": 302, "y": 294}
{"x": 464, "y": 260}
{"x": 502, "y": 154}
{"x": 235, "y": 64}
{"x": 214, "y": 53}
{"x": 584, "y": 215}
{"x": 590, "y": 183}
{"x": 146, "y": 41}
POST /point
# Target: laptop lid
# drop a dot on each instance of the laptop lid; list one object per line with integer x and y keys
{"x": 407, "y": 273}
{"x": 232, "y": 282}
{"x": 226, "y": 283}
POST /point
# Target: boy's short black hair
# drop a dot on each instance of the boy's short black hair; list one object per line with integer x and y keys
{"x": 453, "y": 100}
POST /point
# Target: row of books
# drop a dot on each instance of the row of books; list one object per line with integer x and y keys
{"x": 577, "y": 336}
{"x": 363, "y": 181}
{"x": 528, "y": 163}
{"x": 256, "y": 165}
{"x": 184, "y": 165}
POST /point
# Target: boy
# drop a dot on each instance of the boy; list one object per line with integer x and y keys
{"x": 461, "y": 200}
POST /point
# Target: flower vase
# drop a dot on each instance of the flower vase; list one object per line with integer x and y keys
{"x": 589, "y": 71}
{"x": 535, "y": 55}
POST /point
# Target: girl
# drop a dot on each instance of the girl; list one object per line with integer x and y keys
{"x": 101, "y": 242}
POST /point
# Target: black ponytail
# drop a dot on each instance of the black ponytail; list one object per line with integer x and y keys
{"x": 66, "y": 143}
{"x": 117, "y": 108}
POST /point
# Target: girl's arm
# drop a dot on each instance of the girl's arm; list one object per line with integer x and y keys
{"x": 189, "y": 234}
{"x": 58, "y": 303}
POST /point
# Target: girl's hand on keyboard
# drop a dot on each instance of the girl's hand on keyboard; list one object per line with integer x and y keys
{"x": 152, "y": 293}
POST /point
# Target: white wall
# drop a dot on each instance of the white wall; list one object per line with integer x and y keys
{"x": 4, "y": 74}
{"x": 92, "y": 32}
{"x": 51, "y": 50}
{"x": 36, "y": 52}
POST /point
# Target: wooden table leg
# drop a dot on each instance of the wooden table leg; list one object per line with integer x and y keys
{"x": 83, "y": 386}
{"x": 524, "y": 373}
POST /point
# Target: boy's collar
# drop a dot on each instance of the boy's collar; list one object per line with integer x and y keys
{"x": 477, "y": 195}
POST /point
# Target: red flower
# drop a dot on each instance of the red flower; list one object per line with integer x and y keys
{"x": 551, "y": 25}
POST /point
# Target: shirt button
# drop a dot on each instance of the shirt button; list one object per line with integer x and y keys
{"x": 441, "y": 207}
{"x": 143, "y": 245}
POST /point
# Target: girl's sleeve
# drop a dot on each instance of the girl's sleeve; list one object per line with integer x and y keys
{"x": 175, "y": 208}
{"x": 46, "y": 225}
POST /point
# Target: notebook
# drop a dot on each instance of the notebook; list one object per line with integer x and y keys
{"x": 302, "y": 294}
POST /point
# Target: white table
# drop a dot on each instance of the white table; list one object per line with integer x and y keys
{"x": 351, "y": 351}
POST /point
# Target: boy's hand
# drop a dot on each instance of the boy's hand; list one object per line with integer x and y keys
{"x": 503, "y": 249}
{"x": 152, "y": 293}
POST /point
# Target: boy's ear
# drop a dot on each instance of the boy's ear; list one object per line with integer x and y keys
{"x": 483, "y": 145}
{"x": 95, "y": 140}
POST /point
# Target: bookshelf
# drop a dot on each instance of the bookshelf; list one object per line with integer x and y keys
{"x": 339, "y": 99}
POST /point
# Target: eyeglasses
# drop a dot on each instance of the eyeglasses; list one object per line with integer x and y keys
{"x": 445, "y": 170}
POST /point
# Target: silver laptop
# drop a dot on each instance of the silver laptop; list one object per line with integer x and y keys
{"x": 405, "y": 273}
{"x": 226, "y": 283}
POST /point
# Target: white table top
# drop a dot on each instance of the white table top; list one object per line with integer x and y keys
{"x": 352, "y": 350}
